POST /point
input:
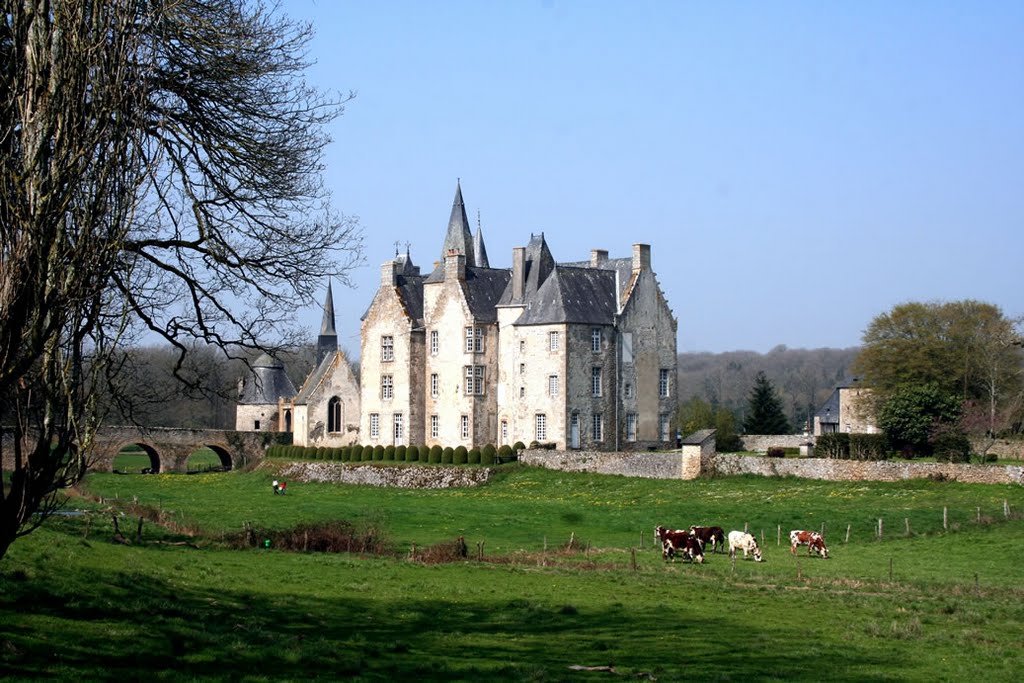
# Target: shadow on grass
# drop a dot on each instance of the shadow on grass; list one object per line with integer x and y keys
{"x": 125, "y": 625}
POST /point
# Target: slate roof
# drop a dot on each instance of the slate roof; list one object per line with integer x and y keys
{"x": 315, "y": 378}
{"x": 458, "y": 238}
{"x": 622, "y": 266}
{"x": 538, "y": 265}
{"x": 828, "y": 413}
{"x": 269, "y": 383}
{"x": 698, "y": 437}
{"x": 479, "y": 250}
{"x": 327, "y": 326}
{"x": 483, "y": 288}
{"x": 573, "y": 295}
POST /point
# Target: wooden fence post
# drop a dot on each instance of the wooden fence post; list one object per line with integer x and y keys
{"x": 632, "y": 554}
{"x": 879, "y": 527}
{"x": 778, "y": 534}
{"x": 945, "y": 518}
{"x": 906, "y": 522}
{"x": 978, "y": 514}
{"x": 847, "y": 533}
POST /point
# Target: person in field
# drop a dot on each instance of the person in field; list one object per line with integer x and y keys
{"x": 277, "y": 487}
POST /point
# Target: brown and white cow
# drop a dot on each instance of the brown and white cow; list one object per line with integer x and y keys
{"x": 814, "y": 541}
{"x": 710, "y": 535}
{"x": 741, "y": 540}
{"x": 682, "y": 543}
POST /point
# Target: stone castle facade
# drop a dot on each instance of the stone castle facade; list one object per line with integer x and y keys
{"x": 580, "y": 354}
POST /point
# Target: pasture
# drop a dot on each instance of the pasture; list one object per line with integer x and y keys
{"x": 932, "y": 604}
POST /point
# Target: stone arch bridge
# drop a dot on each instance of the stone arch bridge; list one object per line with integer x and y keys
{"x": 168, "y": 448}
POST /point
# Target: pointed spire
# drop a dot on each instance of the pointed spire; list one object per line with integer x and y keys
{"x": 479, "y": 250}
{"x": 327, "y": 326}
{"x": 327, "y": 342}
{"x": 459, "y": 238}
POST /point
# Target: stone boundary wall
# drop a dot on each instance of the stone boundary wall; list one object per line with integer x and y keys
{"x": 404, "y": 477}
{"x": 629, "y": 464}
{"x": 1003, "y": 448}
{"x": 761, "y": 442}
{"x": 857, "y": 470}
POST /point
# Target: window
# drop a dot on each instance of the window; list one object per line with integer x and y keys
{"x": 374, "y": 425}
{"x": 435, "y": 426}
{"x": 595, "y": 381}
{"x": 663, "y": 427}
{"x": 552, "y": 385}
{"x": 627, "y": 348}
{"x": 628, "y": 390}
{"x": 540, "y": 431}
{"x": 522, "y": 392}
{"x": 474, "y": 340}
{"x": 387, "y": 387}
{"x": 504, "y": 433}
{"x": 334, "y": 414}
{"x": 464, "y": 426}
{"x": 522, "y": 368}
{"x": 256, "y": 425}
{"x": 474, "y": 380}
{"x": 595, "y": 339}
{"x": 663, "y": 383}
{"x": 597, "y": 427}
{"x": 630, "y": 426}
{"x": 399, "y": 429}
{"x": 434, "y": 342}
{"x": 387, "y": 348}
{"x": 553, "y": 341}
{"x": 522, "y": 346}
{"x": 433, "y": 385}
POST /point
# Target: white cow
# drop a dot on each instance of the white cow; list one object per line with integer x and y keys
{"x": 741, "y": 540}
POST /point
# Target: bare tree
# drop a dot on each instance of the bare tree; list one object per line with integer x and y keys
{"x": 160, "y": 171}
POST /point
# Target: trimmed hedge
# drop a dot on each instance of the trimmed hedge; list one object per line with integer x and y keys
{"x": 473, "y": 458}
{"x": 378, "y": 453}
{"x": 844, "y": 446}
{"x": 447, "y": 453}
{"x": 435, "y": 454}
{"x": 389, "y": 453}
{"x": 400, "y": 452}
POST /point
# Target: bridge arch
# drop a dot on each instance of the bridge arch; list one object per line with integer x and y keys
{"x": 220, "y": 450}
{"x": 148, "y": 449}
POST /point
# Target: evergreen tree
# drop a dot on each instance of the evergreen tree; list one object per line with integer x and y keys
{"x": 764, "y": 410}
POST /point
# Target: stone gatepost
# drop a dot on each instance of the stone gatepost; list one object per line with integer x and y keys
{"x": 696, "y": 453}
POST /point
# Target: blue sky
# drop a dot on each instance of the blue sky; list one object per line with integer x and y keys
{"x": 798, "y": 168}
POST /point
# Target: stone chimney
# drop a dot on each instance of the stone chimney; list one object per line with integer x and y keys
{"x": 518, "y": 273}
{"x": 598, "y": 257}
{"x": 389, "y": 274}
{"x": 454, "y": 265}
{"x": 641, "y": 257}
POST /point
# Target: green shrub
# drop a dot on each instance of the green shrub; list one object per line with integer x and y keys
{"x": 473, "y": 458}
{"x": 776, "y": 452}
{"x": 400, "y": 452}
{"x": 378, "y": 453}
{"x": 459, "y": 455}
{"x": 869, "y": 446}
{"x": 487, "y": 455}
{"x": 355, "y": 453}
{"x": 534, "y": 444}
{"x": 518, "y": 446}
{"x": 951, "y": 446}
{"x": 310, "y": 453}
{"x": 446, "y": 455}
{"x": 346, "y": 453}
{"x": 489, "y": 447}
{"x": 505, "y": 454}
{"x": 412, "y": 454}
{"x": 321, "y": 454}
{"x": 834, "y": 445}
{"x": 435, "y": 454}
{"x": 389, "y": 453}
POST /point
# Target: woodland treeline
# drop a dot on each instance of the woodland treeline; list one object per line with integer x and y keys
{"x": 802, "y": 378}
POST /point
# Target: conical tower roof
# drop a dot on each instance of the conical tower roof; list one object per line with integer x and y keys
{"x": 458, "y": 238}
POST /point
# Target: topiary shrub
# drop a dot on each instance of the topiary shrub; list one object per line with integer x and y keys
{"x": 310, "y": 453}
{"x": 321, "y": 454}
{"x": 389, "y": 453}
{"x": 346, "y": 453}
{"x": 489, "y": 447}
{"x": 488, "y": 456}
{"x": 518, "y": 447}
{"x": 435, "y": 454}
{"x": 505, "y": 453}
{"x": 356, "y": 453}
{"x": 446, "y": 455}
{"x": 378, "y": 453}
{"x": 473, "y": 458}
{"x": 400, "y": 452}
{"x": 459, "y": 455}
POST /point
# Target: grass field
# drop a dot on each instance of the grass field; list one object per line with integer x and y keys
{"x": 932, "y": 605}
